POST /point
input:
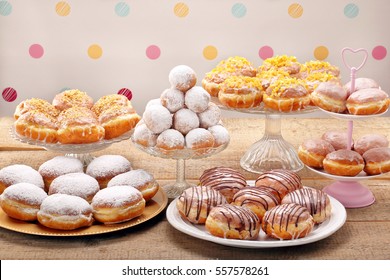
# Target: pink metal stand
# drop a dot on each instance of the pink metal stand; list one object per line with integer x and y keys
{"x": 351, "y": 193}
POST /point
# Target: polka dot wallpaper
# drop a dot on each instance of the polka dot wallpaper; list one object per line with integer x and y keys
{"x": 128, "y": 46}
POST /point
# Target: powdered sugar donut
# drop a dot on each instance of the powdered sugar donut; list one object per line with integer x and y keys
{"x": 22, "y": 201}
{"x": 105, "y": 167}
{"x": 172, "y": 99}
{"x": 182, "y": 77}
{"x": 185, "y": 120}
{"x": 157, "y": 118}
{"x": 139, "y": 179}
{"x": 19, "y": 173}
{"x": 197, "y": 99}
{"x": 199, "y": 138}
{"x": 117, "y": 204}
{"x": 170, "y": 139}
{"x": 156, "y": 101}
{"x": 211, "y": 116}
{"x": 58, "y": 166}
{"x": 220, "y": 134}
{"x": 65, "y": 212}
{"x": 144, "y": 136}
{"x": 77, "y": 184}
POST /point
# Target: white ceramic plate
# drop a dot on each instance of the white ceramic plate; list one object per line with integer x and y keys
{"x": 351, "y": 117}
{"x": 327, "y": 228}
{"x": 361, "y": 176}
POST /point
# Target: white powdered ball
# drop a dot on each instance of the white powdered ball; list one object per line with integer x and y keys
{"x": 199, "y": 138}
{"x": 197, "y": 99}
{"x": 210, "y": 117}
{"x": 172, "y": 99}
{"x": 182, "y": 77}
{"x": 170, "y": 139}
{"x": 157, "y": 118}
{"x": 185, "y": 120}
{"x": 152, "y": 102}
{"x": 144, "y": 136}
{"x": 220, "y": 133}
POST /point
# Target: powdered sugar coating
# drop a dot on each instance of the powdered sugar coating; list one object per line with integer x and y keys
{"x": 77, "y": 184}
{"x": 144, "y": 136}
{"x": 157, "y": 118}
{"x": 60, "y": 165}
{"x": 185, "y": 120}
{"x": 65, "y": 205}
{"x": 199, "y": 138}
{"x": 210, "y": 117}
{"x": 182, "y": 77}
{"x": 220, "y": 134}
{"x": 172, "y": 99}
{"x": 108, "y": 166}
{"x": 116, "y": 196}
{"x": 197, "y": 99}
{"x": 25, "y": 193}
{"x": 135, "y": 178}
{"x": 156, "y": 101}
{"x": 170, "y": 139}
{"x": 20, "y": 173}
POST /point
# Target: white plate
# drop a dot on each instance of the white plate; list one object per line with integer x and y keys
{"x": 361, "y": 176}
{"x": 351, "y": 117}
{"x": 327, "y": 228}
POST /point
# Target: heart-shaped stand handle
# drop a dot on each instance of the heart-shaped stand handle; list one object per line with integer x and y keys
{"x": 353, "y": 69}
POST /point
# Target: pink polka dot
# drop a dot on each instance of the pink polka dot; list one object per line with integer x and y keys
{"x": 266, "y": 52}
{"x": 379, "y": 52}
{"x": 126, "y": 92}
{"x": 36, "y": 51}
{"x": 153, "y": 52}
{"x": 9, "y": 94}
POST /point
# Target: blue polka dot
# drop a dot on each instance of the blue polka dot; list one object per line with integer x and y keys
{"x": 238, "y": 10}
{"x": 351, "y": 10}
{"x": 5, "y": 8}
{"x": 122, "y": 9}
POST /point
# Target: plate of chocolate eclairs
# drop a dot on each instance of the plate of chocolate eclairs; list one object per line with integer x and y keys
{"x": 73, "y": 122}
{"x": 275, "y": 210}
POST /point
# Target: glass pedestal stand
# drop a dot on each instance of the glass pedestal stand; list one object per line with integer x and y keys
{"x": 271, "y": 151}
{"x": 175, "y": 189}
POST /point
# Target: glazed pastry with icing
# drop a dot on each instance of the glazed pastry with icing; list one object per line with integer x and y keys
{"x": 65, "y": 212}
{"x": 284, "y": 63}
{"x": 377, "y": 161}
{"x": 318, "y": 66}
{"x": 72, "y": 98}
{"x": 79, "y": 125}
{"x": 330, "y": 96}
{"x": 22, "y": 201}
{"x": 281, "y": 181}
{"x": 368, "y": 101}
{"x": 361, "y": 83}
{"x": 226, "y": 180}
{"x": 313, "y": 151}
{"x": 337, "y": 138}
{"x": 35, "y": 104}
{"x": 370, "y": 141}
{"x": 233, "y": 222}
{"x": 106, "y": 167}
{"x": 19, "y": 173}
{"x": 343, "y": 163}
{"x": 57, "y": 166}
{"x": 108, "y": 101}
{"x": 259, "y": 200}
{"x": 117, "y": 204}
{"x": 287, "y": 221}
{"x": 195, "y": 203}
{"x": 316, "y": 201}
{"x": 139, "y": 179}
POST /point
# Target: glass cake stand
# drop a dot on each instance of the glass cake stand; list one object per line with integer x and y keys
{"x": 272, "y": 151}
{"x": 175, "y": 189}
{"x": 80, "y": 151}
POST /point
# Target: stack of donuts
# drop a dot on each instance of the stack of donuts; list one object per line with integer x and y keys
{"x": 62, "y": 195}
{"x": 330, "y": 152}
{"x": 281, "y": 83}
{"x": 366, "y": 99}
{"x": 277, "y": 204}
{"x": 182, "y": 118}
{"x": 73, "y": 118}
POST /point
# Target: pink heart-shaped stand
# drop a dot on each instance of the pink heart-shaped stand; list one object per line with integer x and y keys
{"x": 345, "y": 51}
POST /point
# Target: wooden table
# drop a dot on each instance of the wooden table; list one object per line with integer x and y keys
{"x": 363, "y": 236}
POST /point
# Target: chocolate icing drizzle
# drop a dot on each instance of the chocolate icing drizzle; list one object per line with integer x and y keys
{"x": 254, "y": 195}
{"x": 220, "y": 178}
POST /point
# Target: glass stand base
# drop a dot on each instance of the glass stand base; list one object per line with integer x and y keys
{"x": 176, "y": 189}
{"x": 351, "y": 194}
{"x": 84, "y": 158}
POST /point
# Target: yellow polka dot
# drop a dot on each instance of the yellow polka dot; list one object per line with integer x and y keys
{"x": 210, "y": 52}
{"x": 181, "y": 9}
{"x": 295, "y": 10}
{"x": 321, "y": 52}
{"x": 62, "y": 8}
{"x": 95, "y": 51}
